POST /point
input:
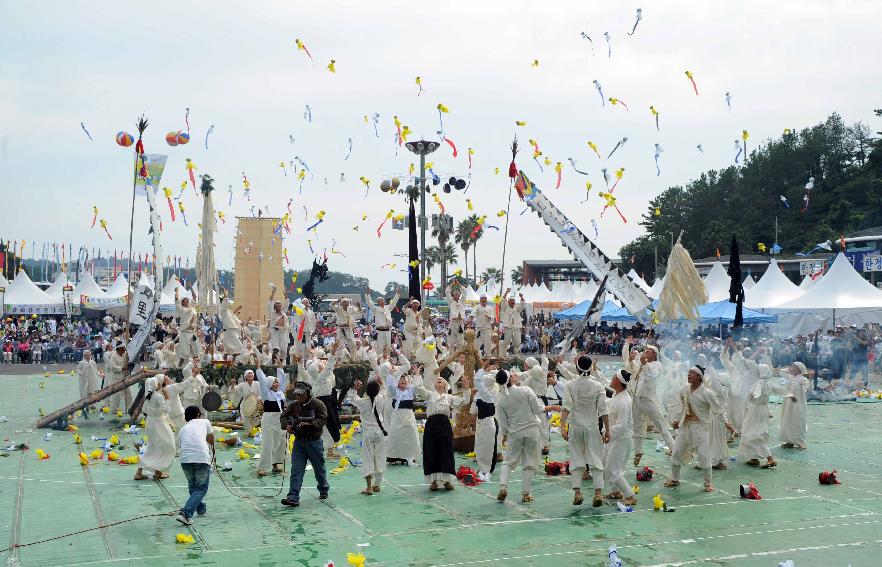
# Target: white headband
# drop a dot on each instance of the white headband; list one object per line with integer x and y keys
{"x": 697, "y": 370}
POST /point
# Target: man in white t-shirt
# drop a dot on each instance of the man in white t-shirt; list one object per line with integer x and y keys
{"x": 197, "y": 453}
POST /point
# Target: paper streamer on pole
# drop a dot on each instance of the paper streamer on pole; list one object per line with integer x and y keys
{"x": 136, "y": 341}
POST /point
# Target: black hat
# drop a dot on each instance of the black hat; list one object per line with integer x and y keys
{"x": 624, "y": 376}
{"x": 583, "y": 363}
{"x": 502, "y": 377}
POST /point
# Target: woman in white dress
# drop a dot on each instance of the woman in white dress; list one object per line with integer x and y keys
{"x": 272, "y": 450}
{"x": 438, "y": 460}
{"x": 404, "y": 440}
{"x": 160, "y": 451}
{"x": 373, "y": 433}
{"x": 793, "y": 414}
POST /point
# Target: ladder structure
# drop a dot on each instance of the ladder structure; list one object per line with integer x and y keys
{"x": 584, "y": 250}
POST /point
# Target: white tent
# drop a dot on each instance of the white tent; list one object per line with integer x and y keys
{"x": 772, "y": 290}
{"x": 24, "y": 297}
{"x": 471, "y": 296}
{"x": 119, "y": 287}
{"x": 638, "y": 280}
{"x": 88, "y": 287}
{"x": 841, "y": 297}
{"x": 808, "y": 282}
{"x": 748, "y": 284}
{"x": 4, "y": 283}
{"x": 655, "y": 291}
{"x": 716, "y": 282}
{"x": 562, "y": 292}
{"x": 542, "y": 294}
{"x": 56, "y": 290}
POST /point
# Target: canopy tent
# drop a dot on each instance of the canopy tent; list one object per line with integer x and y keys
{"x": 562, "y": 293}
{"x": 471, "y": 296}
{"x": 24, "y": 297}
{"x": 4, "y": 283}
{"x": 748, "y": 284}
{"x": 808, "y": 282}
{"x": 584, "y": 291}
{"x": 723, "y": 313}
{"x": 841, "y": 297}
{"x": 716, "y": 282}
{"x": 119, "y": 287}
{"x": 89, "y": 288}
{"x": 772, "y": 290}
{"x": 611, "y": 312}
{"x": 56, "y": 290}
{"x": 638, "y": 280}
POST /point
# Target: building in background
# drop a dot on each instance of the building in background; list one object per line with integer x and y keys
{"x": 550, "y": 271}
{"x": 258, "y": 263}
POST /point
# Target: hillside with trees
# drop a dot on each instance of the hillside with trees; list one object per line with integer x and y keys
{"x": 845, "y": 162}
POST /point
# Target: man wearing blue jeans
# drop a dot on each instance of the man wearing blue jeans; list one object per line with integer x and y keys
{"x": 305, "y": 417}
{"x": 197, "y": 453}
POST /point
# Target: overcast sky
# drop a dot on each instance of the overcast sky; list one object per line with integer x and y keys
{"x": 787, "y": 64}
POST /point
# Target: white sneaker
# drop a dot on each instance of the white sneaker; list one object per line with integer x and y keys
{"x": 184, "y": 520}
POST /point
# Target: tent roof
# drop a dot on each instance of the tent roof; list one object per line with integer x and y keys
{"x": 840, "y": 288}
{"x": 56, "y": 290}
{"x": 716, "y": 282}
{"x": 562, "y": 292}
{"x": 3, "y": 281}
{"x": 611, "y": 312}
{"x": 723, "y": 312}
{"x": 23, "y": 291}
{"x": 470, "y": 294}
{"x": 772, "y": 290}
{"x": 807, "y": 282}
{"x": 748, "y": 283}
{"x": 119, "y": 287}
{"x": 89, "y": 288}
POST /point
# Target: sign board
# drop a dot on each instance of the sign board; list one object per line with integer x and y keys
{"x": 142, "y": 305}
{"x": 872, "y": 263}
{"x": 811, "y": 267}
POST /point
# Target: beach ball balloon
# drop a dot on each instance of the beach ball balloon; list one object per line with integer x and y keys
{"x": 183, "y": 137}
{"x": 124, "y": 139}
{"x": 171, "y": 138}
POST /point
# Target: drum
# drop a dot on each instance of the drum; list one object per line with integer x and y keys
{"x": 249, "y": 406}
{"x": 211, "y": 401}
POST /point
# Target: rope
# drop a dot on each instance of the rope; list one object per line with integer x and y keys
{"x": 505, "y": 238}
{"x": 100, "y": 527}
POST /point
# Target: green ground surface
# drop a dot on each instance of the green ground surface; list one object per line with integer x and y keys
{"x": 797, "y": 519}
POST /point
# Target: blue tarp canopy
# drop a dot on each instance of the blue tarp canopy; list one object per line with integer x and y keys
{"x": 718, "y": 313}
{"x": 611, "y": 312}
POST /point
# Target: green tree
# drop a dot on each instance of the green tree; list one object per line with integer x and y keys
{"x": 463, "y": 238}
{"x": 493, "y": 275}
{"x": 517, "y": 275}
{"x": 443, "y": 234}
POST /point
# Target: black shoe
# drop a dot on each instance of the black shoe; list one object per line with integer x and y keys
{"x": 323, "y": 496}
{"x": 291, "y": 503}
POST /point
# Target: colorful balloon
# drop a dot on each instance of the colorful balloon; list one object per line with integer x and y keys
{"x": 124, "y": 139}
{"x": 183, "y": 137}
{"x": 171, "y": 139}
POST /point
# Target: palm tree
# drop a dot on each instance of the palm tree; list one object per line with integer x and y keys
{"x": 464, "y": 239}
{"x": 492, "y": 275}
{"x": 442, "y": 233}
{"x": 473, "y": 221}
{"x": 447, "y": 258}
{"x": 431, "y": 259}
{"x": 517, "y": 275}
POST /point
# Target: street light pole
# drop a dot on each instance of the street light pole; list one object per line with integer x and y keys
{"x": 422, "y": 148}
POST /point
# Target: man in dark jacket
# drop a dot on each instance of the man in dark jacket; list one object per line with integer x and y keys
{"x": 305, "y": 417}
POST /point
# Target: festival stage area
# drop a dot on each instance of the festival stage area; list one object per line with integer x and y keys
{"x": 797, "y": 518}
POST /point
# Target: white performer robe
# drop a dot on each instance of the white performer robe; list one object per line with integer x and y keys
{"x": 382, "y": 321}
{"x": 646, "y": 404}
{"x": 585, "y": 401}
{"x": 114, "y": 371}
{"x": 322, "y": 383}
{"x": 191, "y": 390}
{"x": 238, "y": 395}
{"x": 488, "y": 436}
{"x": 272, "y": 436}
{"x": 256, "y": 332}
{"x": 719, "y": 437}
{"x": 510, "y": 317}
{"x": 456, "y": 315}
{"x": 404, "y": 440}
{"x": 484, "y": 317}
{"x": 306, "y": 319}
{"x": 536, "y": 379}
{"x": 694, "y": 436}
{"x": 793, "y": 413}
{"x": 412, "y": 330}
{"x": 617, "y": 451}
{"x": 755, "y": 429}
{"x": 373, "y": 434}
{"x": 188, "y": 345}
{"x": 278, "y": 330}
{"x": 347, "y": 319}
{"x": 175, "y": 410}
{"x": 89, "y": 378}
{"x": 518, "y": 414}
{"x": 738, "y": 386}
{"x": 160, "y": 451}
{"x": 232, "y": 329}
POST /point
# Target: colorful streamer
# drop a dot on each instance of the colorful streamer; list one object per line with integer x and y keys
{"x": 558, "y": 171}
{"x": 321, "y": 218}
{"x": 302, "y": 46}
{"x": 600, "y": 90}
{"x": 618, "y": 145}
{"x": 168, "y": 198}
{"x": 183, "y": 214}
{"x": 207, "y": 134}
{"x": 94, "y": 215}
{"x": 617, "y": 101}
{"x": 103, "y": 224}
{"x": 307, "y": 114}
{"x": 594, "y": 149}
{"x": 350, "y": 149}
{"x": 471, "y": 152}
{"x": 83, "y": 126}
{"x": 655, "y": 115}
{"x": 691, "y": 78}
{"x": 637, "y": 21}
{"x": 658, "y": 152}
{"x": 729, "y": 100}
{"x": 576, "y": 169}
{"x": 191, "y": 167}
{"x": 608, "y": 44}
